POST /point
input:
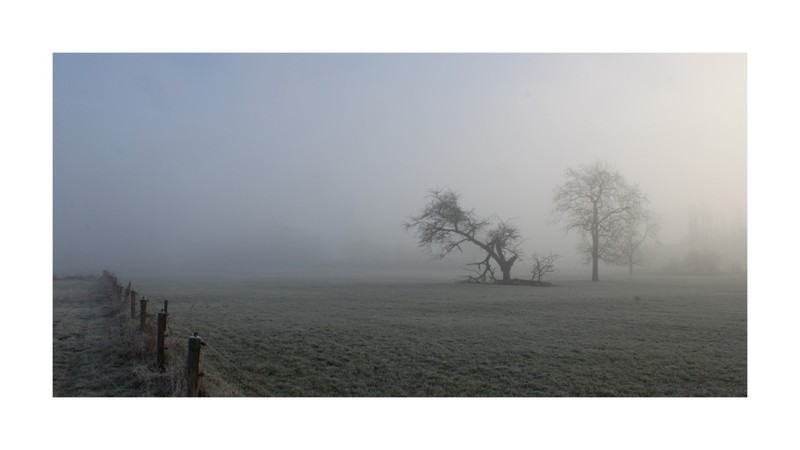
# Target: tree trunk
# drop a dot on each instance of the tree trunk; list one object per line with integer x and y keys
{"x": 595, "y": 240}
{"x": 506, "y": 274}
{"x": 595, "y": 257}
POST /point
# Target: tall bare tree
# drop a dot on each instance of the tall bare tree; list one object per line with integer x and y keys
{"x": 444, "y": 225}
{"x": 637, "y": 229}
{"x": 593, "y": 200}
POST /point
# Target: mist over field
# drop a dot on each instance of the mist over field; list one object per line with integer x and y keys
{"x": 227, "y": 163}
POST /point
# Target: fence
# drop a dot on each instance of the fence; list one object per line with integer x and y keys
{"x": 195, "y": 343}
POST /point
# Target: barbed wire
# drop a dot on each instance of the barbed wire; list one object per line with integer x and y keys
{"x": 231, "y": 364}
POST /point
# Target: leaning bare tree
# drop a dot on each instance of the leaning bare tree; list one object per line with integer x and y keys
{"x": 638, "y": 228}
{"x": 594, "y": 200}
{"x": 444, "y": 225}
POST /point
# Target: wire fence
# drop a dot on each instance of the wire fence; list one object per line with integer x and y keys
{"x": 223, "y": 362}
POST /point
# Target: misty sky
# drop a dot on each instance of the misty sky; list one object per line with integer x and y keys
{"x": 163, "y": 162}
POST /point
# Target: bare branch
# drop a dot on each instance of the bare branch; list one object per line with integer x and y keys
{"x": 484, "y": 272}
{"x": 542, "y": 265}
{"x": 636, "y": 229}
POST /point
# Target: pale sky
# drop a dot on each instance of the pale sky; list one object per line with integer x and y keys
{"x": 169, "y": 161}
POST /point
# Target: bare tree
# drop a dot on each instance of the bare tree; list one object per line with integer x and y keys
{"x": 637, "y": 228}
{"x": 444, "y": 225}
{"x": 593, "y": 200}
{"x": 542, "y": 265}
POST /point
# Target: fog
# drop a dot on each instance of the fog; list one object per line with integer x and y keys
{"x": 166, "y": 163}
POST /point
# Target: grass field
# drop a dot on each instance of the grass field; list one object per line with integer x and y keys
{"x": 628, "y": 336}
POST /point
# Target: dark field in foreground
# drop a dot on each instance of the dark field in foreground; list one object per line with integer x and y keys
{"x": 639, "y": 336}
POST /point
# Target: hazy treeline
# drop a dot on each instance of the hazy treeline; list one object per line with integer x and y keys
{"x": 710, "y": 245}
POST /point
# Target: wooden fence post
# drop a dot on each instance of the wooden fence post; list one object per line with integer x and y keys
{"x": 143, "y": 312}
{"x": 133, "y": 304}
{"x": 193, "y": 366}
{"x": 161, "y": 330}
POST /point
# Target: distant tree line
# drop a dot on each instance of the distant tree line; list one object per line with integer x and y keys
{"x": 697, "y": 262}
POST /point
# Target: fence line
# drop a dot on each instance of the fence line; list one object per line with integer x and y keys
{"x": 120, "y": 294}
